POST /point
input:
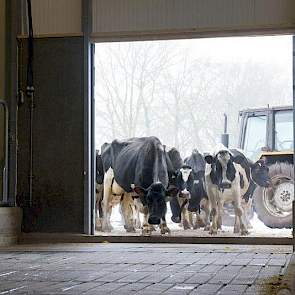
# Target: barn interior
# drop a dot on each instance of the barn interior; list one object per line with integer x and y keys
{"x": 47, "y": 207}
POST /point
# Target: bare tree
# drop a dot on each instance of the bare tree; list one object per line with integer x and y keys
{"x": 162, "y": 89}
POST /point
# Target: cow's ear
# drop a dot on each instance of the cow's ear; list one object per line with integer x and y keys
{"x": 263, "y": 160}
{"x": 140, "y": 191}
{"x": 238, "y": 159}
{"x": 209, "y": 159}
{"x": 172, "y": 191}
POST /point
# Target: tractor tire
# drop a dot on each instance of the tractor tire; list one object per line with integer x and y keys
{"x": 274, "y": 205}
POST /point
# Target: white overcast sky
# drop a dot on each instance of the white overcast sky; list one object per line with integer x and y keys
{"x": 270, "y": 49}
{"x": 267, "y": 50}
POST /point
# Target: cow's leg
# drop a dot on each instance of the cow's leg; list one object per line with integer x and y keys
{"x": 220, "y": 213}
{"x": 163, "y": 226}
{"x": 127, "y": 212}
{"x": 206, "y": 208}
{"x": 213, "y": 196}
{"x": 146, "y": 229}
{"x": 106, "y": 202}
{"x": 193, "y": 219}
{"x": 98, "y": 207}
{"x": 184, "y": 215}
{"x": 214, "y": 214}
{"x": 237, "y": 225}
{"x": 136, "y": 210}
{"x": 239, "y": 212}
{"x": 247, "y": 207}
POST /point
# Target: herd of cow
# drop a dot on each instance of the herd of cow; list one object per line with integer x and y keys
{"x": 142, "y": 175}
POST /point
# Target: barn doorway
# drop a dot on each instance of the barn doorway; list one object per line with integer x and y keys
{"x": 181, "y": 91}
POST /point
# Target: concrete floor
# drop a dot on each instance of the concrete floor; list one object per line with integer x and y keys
{"x": 142, "y": 269}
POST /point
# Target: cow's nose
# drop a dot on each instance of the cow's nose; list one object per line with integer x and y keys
{"x": 154, "y": 220}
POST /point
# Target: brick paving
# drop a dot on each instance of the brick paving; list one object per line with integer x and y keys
{"x": 141, "y": 269}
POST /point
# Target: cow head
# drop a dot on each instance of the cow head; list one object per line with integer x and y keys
{"x": 259, "y": 173}
{"x": 223, "y": 170}
{"x": 154, "y": 198}
{"x": 184, "y": 181}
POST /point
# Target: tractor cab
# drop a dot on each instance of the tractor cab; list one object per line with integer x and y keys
{"x": 266, "y": 132}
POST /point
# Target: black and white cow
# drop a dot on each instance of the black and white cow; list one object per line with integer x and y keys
{"x": 190, "y": 182}
{"x": 174, "y": 163}
{"x": 114, "y": 195}
{"x": 138, "y": 167}
{"x": 228, "y": 178}
{"x": 223, "y": 184}
{"x": 257, "y": 174}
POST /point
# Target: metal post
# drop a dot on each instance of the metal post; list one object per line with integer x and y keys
{"x": 293, "y": 219}
{"x": 12, "y": 29}
{"x": 225, "y": 136}
{"x": 89, "y": 151}
{"x": 5, "y": 169}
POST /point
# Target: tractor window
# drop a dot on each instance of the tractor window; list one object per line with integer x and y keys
{"x": 255, "y": 136}
{"x": 284, "y": 130}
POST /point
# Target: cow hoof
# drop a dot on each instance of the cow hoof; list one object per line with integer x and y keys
{"x": 186, "y": 225}
{"x": 152, "y": 228}
{"x": 165, "y": 230}
{"x": 200, "y": 223}
{"x": 236, "y": 230}
{"x": 213, "y": 231}
{"x": 146, "y": 230}
{"x": 106, "y": 229}
{"x": 244, "y": 232}
{"x": 138, "y": 226}
{"x": 98, "y": 228}
{"x": 207, "y": 227}
{"x": 130, "y": 229}
{"x": 196, "y": 226}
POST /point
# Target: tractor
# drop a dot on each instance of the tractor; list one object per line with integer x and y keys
{"x": 268, "y": 133}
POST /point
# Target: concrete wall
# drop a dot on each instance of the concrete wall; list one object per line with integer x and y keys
{"x": 58, "y": 138}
